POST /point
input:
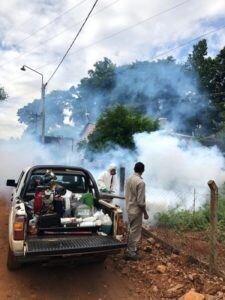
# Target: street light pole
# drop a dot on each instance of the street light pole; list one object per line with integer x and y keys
{"x": 43, "y": 88}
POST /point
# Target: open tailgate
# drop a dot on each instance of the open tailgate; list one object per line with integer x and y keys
{"x": 70, "y": 245}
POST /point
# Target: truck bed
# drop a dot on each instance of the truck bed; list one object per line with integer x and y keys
{"x": 69, "y": 245}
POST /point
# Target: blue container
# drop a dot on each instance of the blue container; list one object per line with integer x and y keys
{"x": 106, "y": 229}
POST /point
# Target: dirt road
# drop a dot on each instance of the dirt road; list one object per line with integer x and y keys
{"x": 93, "y": 281}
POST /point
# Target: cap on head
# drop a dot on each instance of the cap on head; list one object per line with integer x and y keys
{"x": 139, "y": 167}
{"x": 112, "y": 167}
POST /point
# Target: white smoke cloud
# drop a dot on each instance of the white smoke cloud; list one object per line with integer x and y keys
{"x": 177, "y": 170}
{"x": 20, "y": 154}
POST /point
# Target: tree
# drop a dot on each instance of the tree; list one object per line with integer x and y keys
{"x": 56, "y": 103}
{"x": 210, "y": 76}
{"x": 95, "y": 90}
{"x": 217, "y": 89}
{"x": 117, "y": 125}
{"x": 102, "y": 77}
{"x": 3, "y": 95}
{"x": 190, "y": 96}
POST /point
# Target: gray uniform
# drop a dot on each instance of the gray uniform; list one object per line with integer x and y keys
{"x": 135, "y": 200}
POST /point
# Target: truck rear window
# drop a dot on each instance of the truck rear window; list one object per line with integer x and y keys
{"x": 76, "y": 183}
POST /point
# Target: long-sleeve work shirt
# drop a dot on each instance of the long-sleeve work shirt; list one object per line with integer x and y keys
{"x": 107, "y": 181}
{"x": 135, "y": 194}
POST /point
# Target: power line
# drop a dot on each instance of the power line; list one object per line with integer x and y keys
{"x": 99, "y": 11}
{"x": 124, "y": 30}
{"x": 75, "y": 38}
{"x": 137, "y": 24}
{"x": 196, "y": 95}
{"x": 189, "y": 42}
{"x": 31, "y": 18}
{"x": 16, "y": 28}
{"x": 161, "y": 54}
{"x": 153, "y": 57}
{"x": 114, "y": 34}
{"x": 49, "y": 23}
{"x": 127, "y": 28}
{"x": 55, "y": 36}
{"x": 53, "y": 21}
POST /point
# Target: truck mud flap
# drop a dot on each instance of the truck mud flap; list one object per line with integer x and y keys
{"x": 69, "y": 245}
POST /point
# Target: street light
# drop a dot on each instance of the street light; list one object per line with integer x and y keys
{"x": 43, "y": 87}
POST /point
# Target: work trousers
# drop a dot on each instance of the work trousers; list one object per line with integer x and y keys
{"x": 135, "y": 224}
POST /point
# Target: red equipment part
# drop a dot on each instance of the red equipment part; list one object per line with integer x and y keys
{"x": 38, "y": 202}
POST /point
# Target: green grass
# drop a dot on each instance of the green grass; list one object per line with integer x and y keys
{"x": 183, "y": 220}
{"x": 186, "y": 220}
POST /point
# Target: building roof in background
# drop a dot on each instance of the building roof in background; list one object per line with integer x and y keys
{"x": 88, "y": 129}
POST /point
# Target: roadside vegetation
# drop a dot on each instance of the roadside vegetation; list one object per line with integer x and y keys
{"x": 187, "y": 220}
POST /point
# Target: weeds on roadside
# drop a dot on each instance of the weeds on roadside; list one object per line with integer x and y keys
{"x": 187, "y": 220}
{"x": 183, "y": 220}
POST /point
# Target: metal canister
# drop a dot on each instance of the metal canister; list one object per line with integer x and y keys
{"x": 33, "y": 226}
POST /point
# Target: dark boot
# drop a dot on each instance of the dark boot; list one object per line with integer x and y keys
{"x": 132, "y": 256}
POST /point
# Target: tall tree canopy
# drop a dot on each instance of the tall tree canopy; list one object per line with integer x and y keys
{"x": 190, "y": 95}
{"x": 211, "y": 79}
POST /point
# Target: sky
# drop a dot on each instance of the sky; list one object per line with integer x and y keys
{"x": 38, "y": 32}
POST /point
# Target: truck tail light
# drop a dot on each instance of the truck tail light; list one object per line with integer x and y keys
{"x": 18, "y": 228}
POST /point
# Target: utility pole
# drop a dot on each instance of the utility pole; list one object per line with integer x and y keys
{"x": 43, "y": 89}
{"x": 43, "y": 85}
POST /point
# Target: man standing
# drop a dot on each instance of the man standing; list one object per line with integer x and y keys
{"x": 107, "y": 181}
{"x": 136, "y": 208}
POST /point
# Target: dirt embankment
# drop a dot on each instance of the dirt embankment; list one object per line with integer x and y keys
{"x": 194, "y": 243}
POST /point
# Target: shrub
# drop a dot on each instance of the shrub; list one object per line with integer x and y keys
{"x": 183, "y": 220}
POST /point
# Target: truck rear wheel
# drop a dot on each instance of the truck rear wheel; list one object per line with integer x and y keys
{"x": 12, "y": 261}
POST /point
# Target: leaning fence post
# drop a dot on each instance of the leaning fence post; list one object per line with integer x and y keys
{"x": 213, "y": 225}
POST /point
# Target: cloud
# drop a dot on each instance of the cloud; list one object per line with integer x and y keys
{"x": 42, "y": 51}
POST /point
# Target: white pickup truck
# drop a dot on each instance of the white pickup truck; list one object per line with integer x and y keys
{"x": 49, "y": 221}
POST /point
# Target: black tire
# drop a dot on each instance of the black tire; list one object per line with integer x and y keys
{"x": 12, "y": 262}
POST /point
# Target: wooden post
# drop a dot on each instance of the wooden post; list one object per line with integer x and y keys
{"x": 194, "y": 203}
{"x": 213, "y": 225}
{"x": 122, "y": 180}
